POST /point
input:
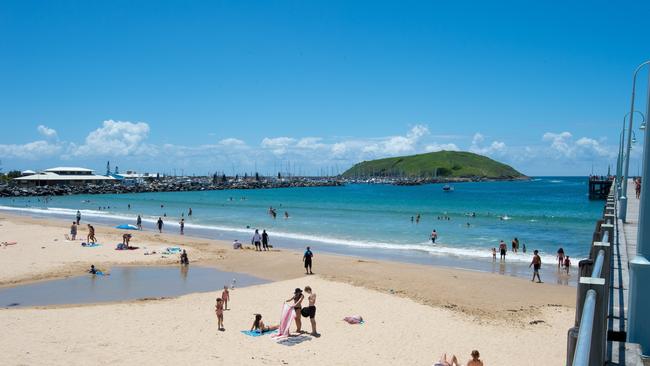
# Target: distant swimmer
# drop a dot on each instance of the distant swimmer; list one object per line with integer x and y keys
{"x": 129, "y": 206}
{"x": 417, "y": 219}
{"x": 189, "y": 212}
{"x": 433, "y": 236}
{"x": 502, "y": 249}
{"x": 286, "y": 215}
{"x": 412, "y": 219}
{"x": 159, "y": 224}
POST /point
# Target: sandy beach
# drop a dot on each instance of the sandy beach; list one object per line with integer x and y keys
{"x": 413, "y": 312}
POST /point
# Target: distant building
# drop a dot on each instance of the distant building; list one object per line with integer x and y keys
{"x": 62, "y": 176}
{"x": 131, "y": 177}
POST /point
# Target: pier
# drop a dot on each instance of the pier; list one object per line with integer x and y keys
{"x": 599, "y": 187}
{"x": 601, "y": 333}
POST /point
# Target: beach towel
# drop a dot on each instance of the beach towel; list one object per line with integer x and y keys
{"x": 90, "y": 245}
{"x": 257, "y": 333}
{"x": 173, "y": 250}
{"x": 127, "y": 227}
{"x": 286, "y": 318}
{"x": 5, "y": 243}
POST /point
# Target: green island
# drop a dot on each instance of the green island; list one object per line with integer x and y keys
{"x": 439, "y": 164}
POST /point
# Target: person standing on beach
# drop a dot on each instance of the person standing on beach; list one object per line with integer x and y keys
{"x": 218, "y": 309}
{"x": 91, "y": 235}
{"x": 502, "y": 250}
{"x": 138, "y": 222}
{"x": 567, "y": 264}
{"x": 297, "y": 306}
{"x": 73, "y": 231}
{"x": 560, "y": 257}
{"x": 225, "y": 296}
{"x": 536, "y": 263}
{"x": 307, "y": 259}
{"x": 311, "y": 310}
{"x": 160, "y": 224}
{"x": 256, "y": 240}
{"x": 434, "y": 236}
{"x": 182, "y": 225}
{"x": 78, "y": 217}
{"x": 265, "y": 240}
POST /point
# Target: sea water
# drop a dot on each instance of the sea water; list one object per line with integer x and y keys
{"x": 544, "y": 213}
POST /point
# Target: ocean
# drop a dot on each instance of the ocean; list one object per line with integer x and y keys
{"x": 374, "y": 221}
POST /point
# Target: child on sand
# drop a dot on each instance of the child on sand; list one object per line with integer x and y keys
{"x": 225, "y": 296}
{"x": 218, "y": 309}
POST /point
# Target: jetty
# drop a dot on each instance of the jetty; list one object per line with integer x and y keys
{"x": 611, "y": 323}
{"x": 599, "y": 187}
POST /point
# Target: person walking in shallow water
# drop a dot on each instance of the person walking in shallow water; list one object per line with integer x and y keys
{"x": 78, "y": 217}
{"x": 182, "y": 226}
{"x": 536, "y": 263}
{"x": 160, "y": 224}
{"x": 502, "y": 250}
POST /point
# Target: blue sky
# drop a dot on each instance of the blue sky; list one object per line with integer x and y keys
{"x": 227, "y": 86}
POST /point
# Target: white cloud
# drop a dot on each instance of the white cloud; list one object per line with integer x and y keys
{"x": 278, "y": 145}
{"x": 116, "y": 138}
{"x": 563, "y": 146}
{"x": 232, "y": 142}
{"x": 477, "y": 139}
{"x": 46, "y": 131}
{"x": 441, "y": 147}
{"x": 496, "y": 148}
{"x": 30, "y": 151}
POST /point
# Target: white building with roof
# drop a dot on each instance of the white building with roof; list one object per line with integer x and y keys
{"x": 63, "y": 176}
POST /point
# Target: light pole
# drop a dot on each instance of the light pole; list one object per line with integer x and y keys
{"x": 639, "y": 301}
{"x": 621, "y": 153}
{"x": 623, "y": 198}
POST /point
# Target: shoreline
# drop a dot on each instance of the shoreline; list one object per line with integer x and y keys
{"x": 447, "y": 256}
{"x": 500, "y": 295}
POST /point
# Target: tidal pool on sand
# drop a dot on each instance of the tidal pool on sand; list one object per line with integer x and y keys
{"x": 124, "y": 283}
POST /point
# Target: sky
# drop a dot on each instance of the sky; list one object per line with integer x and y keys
{"x": 315, "y": 86}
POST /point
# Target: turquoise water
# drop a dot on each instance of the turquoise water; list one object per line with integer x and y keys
{"x": 544, "y": 213}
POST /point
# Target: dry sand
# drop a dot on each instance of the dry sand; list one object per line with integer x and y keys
{"x": 413, "y": 312}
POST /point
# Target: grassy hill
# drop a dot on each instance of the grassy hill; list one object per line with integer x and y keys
{"x": 448, "y": 164}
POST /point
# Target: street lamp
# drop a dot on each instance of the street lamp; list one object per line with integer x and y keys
{"x": 639, "y": 266}
{"x": 623, "y": 198}
{"x": 621, "y": 152}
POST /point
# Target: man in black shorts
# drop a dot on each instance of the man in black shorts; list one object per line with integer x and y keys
{"x": 307, "y": 259}
{"x": 265, "y": 240}
{"x": 311, "y": 310}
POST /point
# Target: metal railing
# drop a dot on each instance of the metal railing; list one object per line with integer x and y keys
{"x": 587, "y": 339}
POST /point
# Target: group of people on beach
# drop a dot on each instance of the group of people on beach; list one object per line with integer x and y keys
{"x": 295, "y": 301}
